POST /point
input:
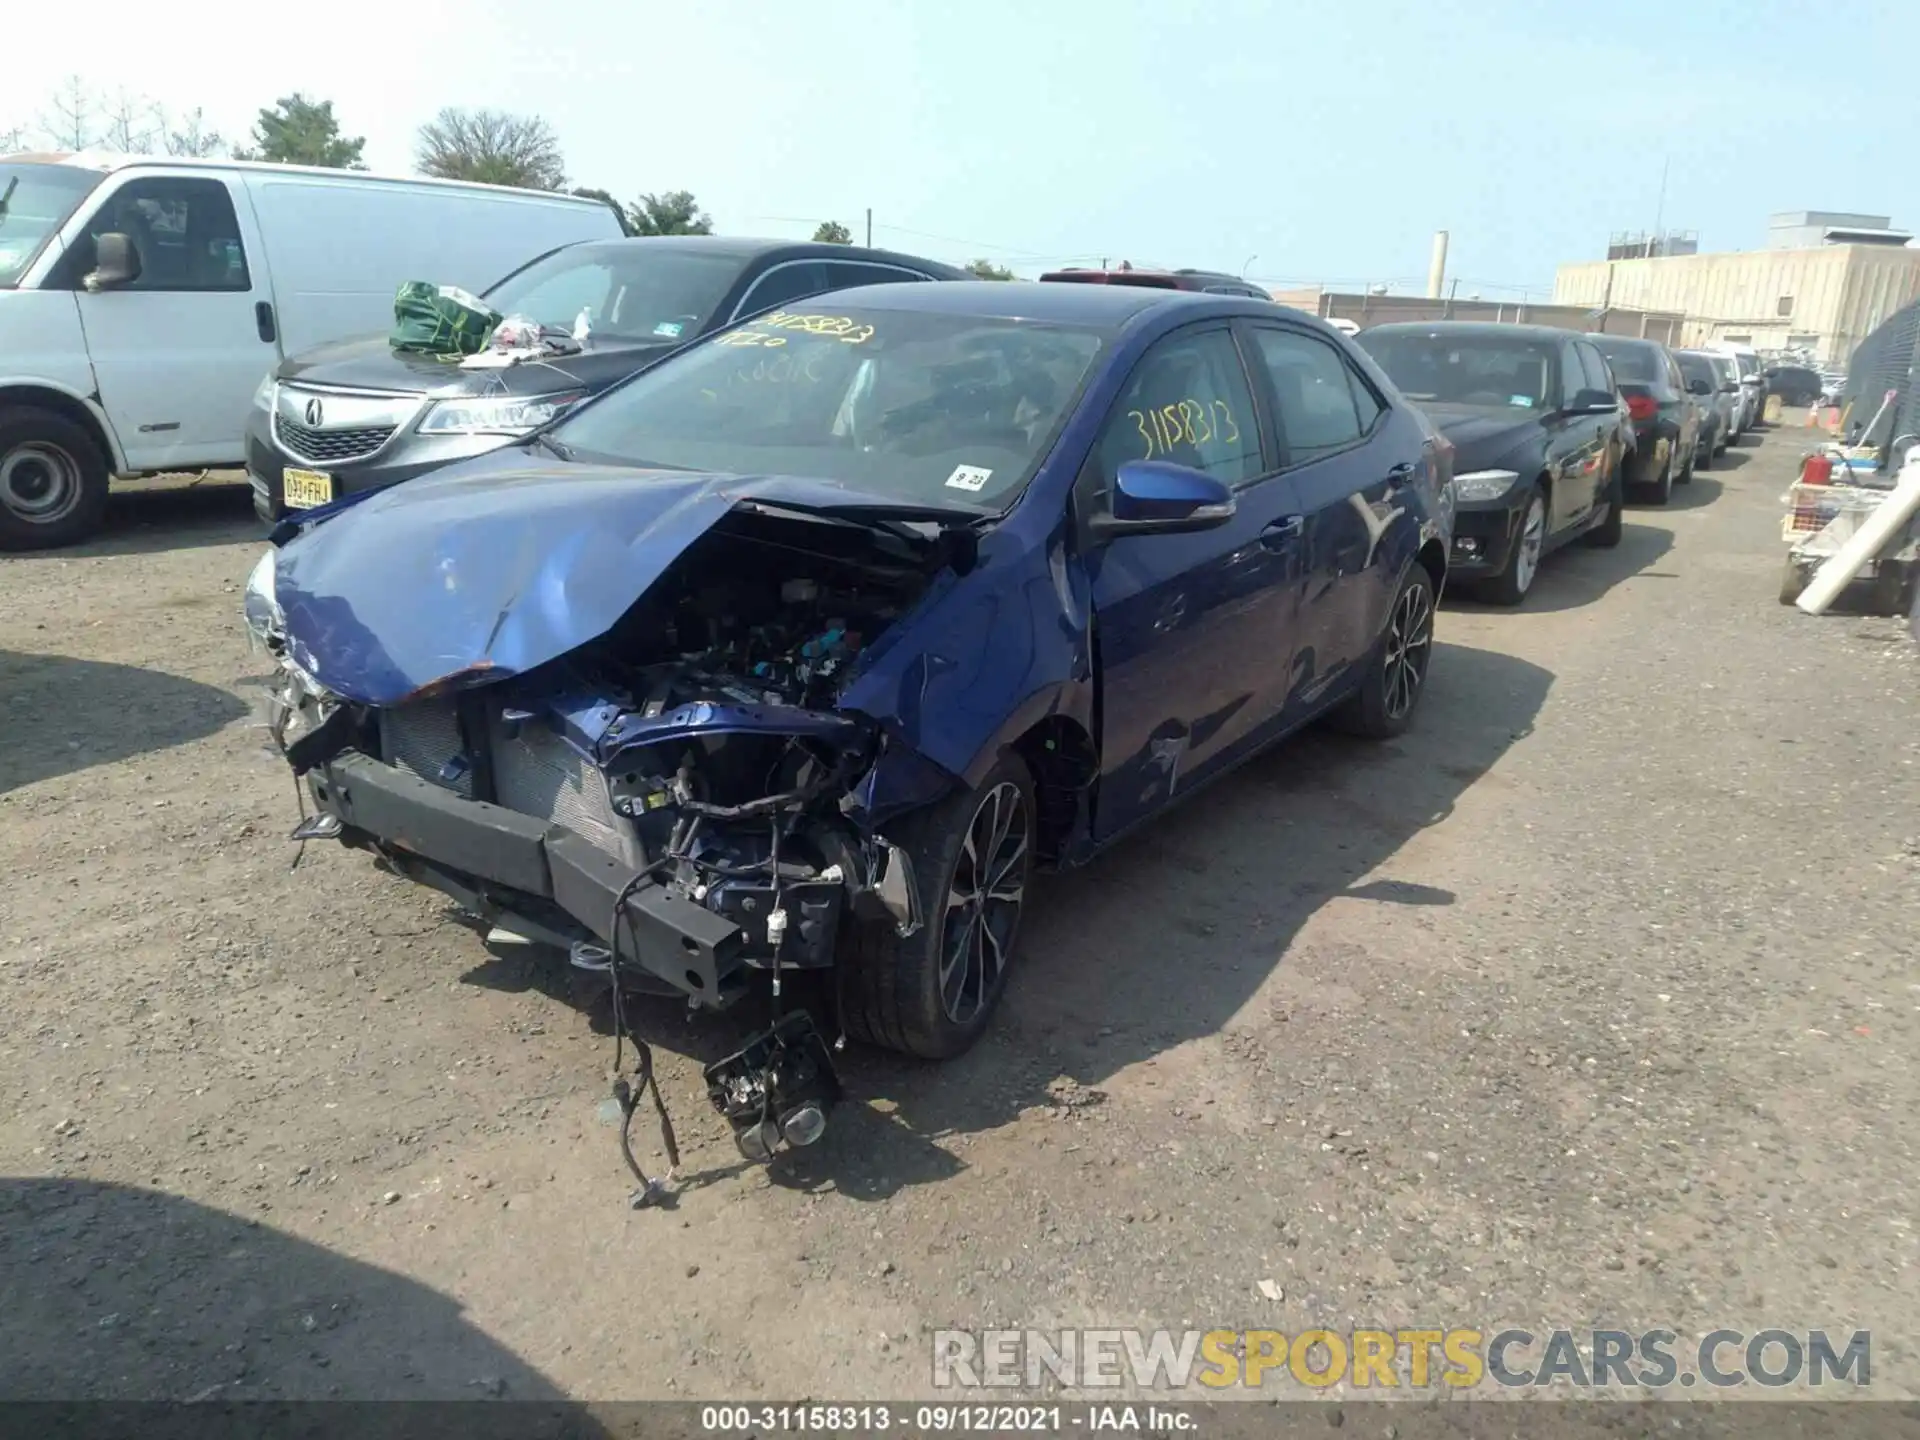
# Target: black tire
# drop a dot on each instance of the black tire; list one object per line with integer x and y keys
{"x": 1607, "y": 533}
{"x": 891, "y": 986}
{"x": 1793, "y": 580}
{"x": 1702, "y": 459}
{"x": 1516, "y": 577}
{"x": 1685, "y": 477}
{"x": 53, "y": 480}
{"x": 1389, "y": 697}
{"x": 1660, "y": 490}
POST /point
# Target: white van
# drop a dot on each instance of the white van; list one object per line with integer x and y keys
{"x": 142, "y": 301}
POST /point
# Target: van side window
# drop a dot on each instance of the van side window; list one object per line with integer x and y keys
{"x": 183, "y": 231}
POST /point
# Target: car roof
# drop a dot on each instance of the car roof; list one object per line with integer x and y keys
{"x": 1640, "y": 340}
{"x": 1100, "y": 306}
{"x": 746, "y": 247}
{"x": 1467, "y": 327}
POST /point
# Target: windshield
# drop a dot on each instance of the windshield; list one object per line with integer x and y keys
{"x": 939, "y": 410}
{"x": 1635, "y": 364}
{"x": 35, "y": 201}
{"x": 629, "y": 290}
{"x": 1465, "y": 369}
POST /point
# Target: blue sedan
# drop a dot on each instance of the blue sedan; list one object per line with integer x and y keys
{"x": 801, "y": 650}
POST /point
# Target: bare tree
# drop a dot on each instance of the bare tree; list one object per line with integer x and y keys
{"x": 191, "y": 137}
{"x": 493, "y": 147}
{"x": 133, "y": 124}
{"x": 12, "y": 140}
{"x": 72, "y": 118}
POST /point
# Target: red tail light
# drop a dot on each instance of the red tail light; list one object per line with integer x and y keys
{"x": 1642, "y": 407}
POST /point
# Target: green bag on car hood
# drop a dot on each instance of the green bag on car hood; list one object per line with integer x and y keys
{"x": 440, "y": 320}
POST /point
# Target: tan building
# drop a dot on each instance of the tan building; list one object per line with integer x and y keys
{"x": 1365, "y": 310}
{"x": 1824, "y": 298}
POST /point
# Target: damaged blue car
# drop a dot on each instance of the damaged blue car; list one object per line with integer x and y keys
{"x": 801, "y": 650}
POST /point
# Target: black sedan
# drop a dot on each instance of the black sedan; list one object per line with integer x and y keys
{"x": 1795, "y": 384}
{"x": 1538, "y": 440}
{"x": 359, "y": 415}
{"x": 1666, "y": 419}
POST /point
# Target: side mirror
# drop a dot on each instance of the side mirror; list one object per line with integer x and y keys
{"x": 1154, "y": 497}
{"x": 1591, "y": 402}
{"x": 116, "y": 261}
{"x": 1699, "y": 387}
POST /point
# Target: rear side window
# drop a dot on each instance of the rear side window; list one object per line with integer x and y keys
{"x": 1322, "y": 404}
{"x": 845, "y": 274}
{"x": 783, "y": 283}
{"x": 1697, "y": 367}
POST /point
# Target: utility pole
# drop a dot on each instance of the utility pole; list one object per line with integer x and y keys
{"x": 1660, "y": 209}
{"x": 869, "y": 227}
{"x": 1452, "y": 290}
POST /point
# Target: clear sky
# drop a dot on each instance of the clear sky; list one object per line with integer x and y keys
{"x": 1302, "y": 143}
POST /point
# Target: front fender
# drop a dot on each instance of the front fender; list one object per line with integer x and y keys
{"x": 985, "y": 658}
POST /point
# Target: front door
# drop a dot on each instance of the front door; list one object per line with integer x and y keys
{"x": 178, "y": 352}
{"x": 1188, "y": 629}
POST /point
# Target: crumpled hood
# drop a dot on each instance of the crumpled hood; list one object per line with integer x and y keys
{"x": 495, "y": 566}
{"x": 1481, "y": 435}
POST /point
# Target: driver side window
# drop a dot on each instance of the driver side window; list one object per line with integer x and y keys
{"x": 1187, "y": 402}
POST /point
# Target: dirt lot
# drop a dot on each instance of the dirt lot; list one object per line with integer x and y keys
{"x": 1592, "y": 1001}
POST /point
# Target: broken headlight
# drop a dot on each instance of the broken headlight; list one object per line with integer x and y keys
{"x": 260, "y": 605}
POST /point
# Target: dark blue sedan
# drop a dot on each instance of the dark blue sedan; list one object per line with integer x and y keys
{"x": 800, "y": 651}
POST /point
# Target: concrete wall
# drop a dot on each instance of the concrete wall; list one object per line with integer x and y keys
{"x": 1838, "y": 293}
{"x": 1365, "y": 310}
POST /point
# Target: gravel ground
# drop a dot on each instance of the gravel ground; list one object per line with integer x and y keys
{"x": 1591, "y": 1001}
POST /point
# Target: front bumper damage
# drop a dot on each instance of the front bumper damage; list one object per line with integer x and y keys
{"x": 515, "y": 870}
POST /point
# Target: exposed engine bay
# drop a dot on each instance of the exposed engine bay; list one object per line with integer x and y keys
{"x": 673, "y": 799}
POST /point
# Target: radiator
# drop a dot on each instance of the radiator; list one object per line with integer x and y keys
{"x": 537, "y": 773}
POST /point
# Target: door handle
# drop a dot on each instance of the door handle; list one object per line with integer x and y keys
{"x": 1283, "y": 531}
{"x": 263, "y": 321}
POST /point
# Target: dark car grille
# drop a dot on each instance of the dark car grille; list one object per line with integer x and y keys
{"x": 334, "y": 446}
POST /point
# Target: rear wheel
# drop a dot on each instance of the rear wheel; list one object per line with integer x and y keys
{"x": 1606, "y": 534}
{"x": 53, "y": 480}
{"x": 1511, "y": 585}
{"x": 1396, "y": 676}
{"x": 932, "y": 993}
{"x": 1793, "y": 580}
{"x": 1660, "y": 491}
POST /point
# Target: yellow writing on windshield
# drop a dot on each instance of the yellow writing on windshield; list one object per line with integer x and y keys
{"x": 749, "y": 337}
{"x": 1165, "y": 428}
{"x": 778, "y": 369}
{"x": 838, "y": 327}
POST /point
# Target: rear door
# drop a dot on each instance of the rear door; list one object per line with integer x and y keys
{"x": 179, "y": 351}
{"x": 1190, "y": 629}
{"x": 1576, "y": 444}
{"x": 1351, "y": 486}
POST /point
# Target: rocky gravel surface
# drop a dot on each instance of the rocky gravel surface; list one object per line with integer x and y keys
{"x": 1593, "y": 1001}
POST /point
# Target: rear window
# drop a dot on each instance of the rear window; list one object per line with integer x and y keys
{"x": 1697, "y": 367}
{"x": 1633, "y": 364}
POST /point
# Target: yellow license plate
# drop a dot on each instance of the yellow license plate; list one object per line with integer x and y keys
{"x": 305, "y": 489}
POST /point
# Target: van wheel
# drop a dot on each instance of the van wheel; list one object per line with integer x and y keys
{"x": 932, "y": 993}
{"x": 53, "y": 480}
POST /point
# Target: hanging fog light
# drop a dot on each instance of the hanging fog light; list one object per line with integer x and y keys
{"x": 803, "y": 1125}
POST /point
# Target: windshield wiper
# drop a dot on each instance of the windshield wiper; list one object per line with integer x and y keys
{"x": 6, "y": 197}
{"x": 559, "y": 449}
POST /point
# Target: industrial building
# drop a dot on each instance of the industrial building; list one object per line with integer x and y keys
{"x": 1823, "y": 283}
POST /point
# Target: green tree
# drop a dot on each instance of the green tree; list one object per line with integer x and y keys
{"x": 673, "y": 213}
{"x": 588, "y": 192}
{"x": 492, "y": 147}
{"x": 299, "y": 131}
{"x": 987, "y": 270}
{"x": 832, "y": 232}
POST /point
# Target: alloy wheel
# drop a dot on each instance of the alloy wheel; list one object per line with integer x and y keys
{"x": 1409, "y": 647}
{"x": 39, "y": 482}
{"x": 983, "y": 902}
{"x": 1533, "y": 536}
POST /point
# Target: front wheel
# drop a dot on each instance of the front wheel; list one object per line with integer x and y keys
{"x": 1661, "y": 490}
{"x": 1513, "y": 582}
{"x": 932, "y": 993}
{"x": 1396, "y": 676}
{"x": 1607, "y": 533}
{"x": 53, "y": 480}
